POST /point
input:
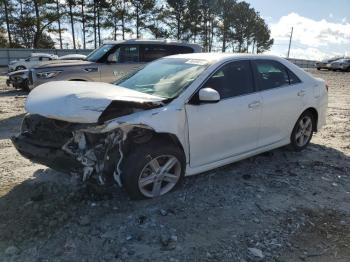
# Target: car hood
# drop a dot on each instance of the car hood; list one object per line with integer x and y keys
{"x": 64, "y": 63}
{"x": 83, "y": 102}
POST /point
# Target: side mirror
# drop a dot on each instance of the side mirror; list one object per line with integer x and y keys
{"x": 209, "y": 95}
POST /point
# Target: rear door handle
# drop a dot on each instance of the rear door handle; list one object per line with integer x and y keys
{"x": 254, "y": 104}
{"x": 301, "y": 93}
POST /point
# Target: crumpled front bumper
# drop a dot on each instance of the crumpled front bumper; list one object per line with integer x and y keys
{"x": 52, "y": 157}
{"x": 18, "y": 79}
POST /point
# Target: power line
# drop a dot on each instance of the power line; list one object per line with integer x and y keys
{"x": 290, "y": 42}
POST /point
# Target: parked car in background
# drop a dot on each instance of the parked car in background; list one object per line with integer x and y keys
{"x": 325, "y": 64}
{"x": 72, "y": 57}
{"x": 180, "y": 115}
{"x": 110, "y": 62}
{"x": 341, "y": 65}
{"x": 34, "y": 60}
{"x": 19, "y": 78}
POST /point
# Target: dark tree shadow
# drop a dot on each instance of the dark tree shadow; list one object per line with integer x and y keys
{"x": 10, "y": 126}
{"x": 13, "y": 92}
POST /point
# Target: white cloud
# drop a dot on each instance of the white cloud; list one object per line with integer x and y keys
{"x": 312, "y": 39}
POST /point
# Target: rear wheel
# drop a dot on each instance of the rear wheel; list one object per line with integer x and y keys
{"x": 153, "y": 169}
{"x": 302, "y": 131}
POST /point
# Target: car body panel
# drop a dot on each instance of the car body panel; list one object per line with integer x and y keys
{"x": 231, "y": 138}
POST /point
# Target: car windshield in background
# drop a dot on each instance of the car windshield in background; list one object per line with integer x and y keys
{"x": 98, "y": 53}
{"x": 166, "y": 77}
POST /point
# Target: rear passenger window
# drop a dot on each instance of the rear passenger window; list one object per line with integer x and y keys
{"x": 272, "y": 74}
{"x": 128, "y": 53}
{"x": 149, "y": 53}
{"x": 152, "y": 52}
{"x": 233, "y": 79}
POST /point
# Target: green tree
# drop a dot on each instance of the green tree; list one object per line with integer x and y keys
{"x": 141, "y": 14}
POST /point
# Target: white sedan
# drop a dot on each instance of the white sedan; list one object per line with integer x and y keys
{"x": 180, "y": 115}
{"x": 35, "y": 59}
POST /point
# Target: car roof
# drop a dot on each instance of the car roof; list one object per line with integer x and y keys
{"x": 217, "y": 57}
{"x": 73, "y": 55}
{"x": 42, "y": 54}
{"x": 154, "y": 42}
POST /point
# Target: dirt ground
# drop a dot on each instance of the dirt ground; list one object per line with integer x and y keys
{"x": 278, "y": 206}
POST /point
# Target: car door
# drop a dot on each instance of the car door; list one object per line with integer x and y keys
{"x": 229, "y": 127}
{"x": 282, "y": 100}
{"x": 123, "y": 61}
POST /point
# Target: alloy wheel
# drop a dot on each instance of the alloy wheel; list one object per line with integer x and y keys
{"x": 159, "y": 176}
{"x": 304, "y": 131}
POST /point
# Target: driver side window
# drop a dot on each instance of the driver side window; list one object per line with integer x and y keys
{"x": 233, "y": 79}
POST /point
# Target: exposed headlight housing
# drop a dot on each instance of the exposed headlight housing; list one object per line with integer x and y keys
{"x": 47, "y": 75}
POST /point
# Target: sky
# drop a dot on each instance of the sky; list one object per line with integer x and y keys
{"x": 321, "y": 27}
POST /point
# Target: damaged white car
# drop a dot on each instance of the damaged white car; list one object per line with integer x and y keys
{"x": 180, "y": 115}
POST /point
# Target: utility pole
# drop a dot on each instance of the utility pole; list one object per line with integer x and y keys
{"x": 290, "y": 42}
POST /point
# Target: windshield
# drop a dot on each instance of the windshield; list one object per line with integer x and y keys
{"x": 166, "y": 77}
{"x": 95, "y": 55}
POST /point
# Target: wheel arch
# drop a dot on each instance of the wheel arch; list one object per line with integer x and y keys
{"x": 140, "y": 135}
{"x": 314, "y": 113}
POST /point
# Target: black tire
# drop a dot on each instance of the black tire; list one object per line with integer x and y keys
{"x": 24, "y": 86}
{"x": 294, "y": 138}
{"x": 138, "y": 159}
{"x": 20, "y": 68}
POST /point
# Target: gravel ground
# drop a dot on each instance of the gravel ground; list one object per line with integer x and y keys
{"x": 278, "y": 206}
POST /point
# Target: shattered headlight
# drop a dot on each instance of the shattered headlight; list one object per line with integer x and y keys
{"x": 47, "y": 75}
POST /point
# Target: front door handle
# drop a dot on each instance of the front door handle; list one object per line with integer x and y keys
{"x": 301, "y": 93}
{"x": 254, "y": 104}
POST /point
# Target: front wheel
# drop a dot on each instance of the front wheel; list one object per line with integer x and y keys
{"x": 153, "y": 169}
{"x": 302, "y": 132}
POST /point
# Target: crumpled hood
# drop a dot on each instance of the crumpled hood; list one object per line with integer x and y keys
{"x": 80, "y": 102}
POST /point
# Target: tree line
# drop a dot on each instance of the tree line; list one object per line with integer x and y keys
{"x": 225, "y": 24}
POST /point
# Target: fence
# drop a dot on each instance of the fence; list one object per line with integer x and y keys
{"x": 303, "y": 63}
{"x": 9, "y": 54}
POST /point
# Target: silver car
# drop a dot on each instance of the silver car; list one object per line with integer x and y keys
{"x": 110, "y": 62}
{"x": 326, "y": 63}
{"x": 341, "y": 65}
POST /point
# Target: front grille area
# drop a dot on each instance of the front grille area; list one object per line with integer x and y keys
{"x": 46, "y": 131}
